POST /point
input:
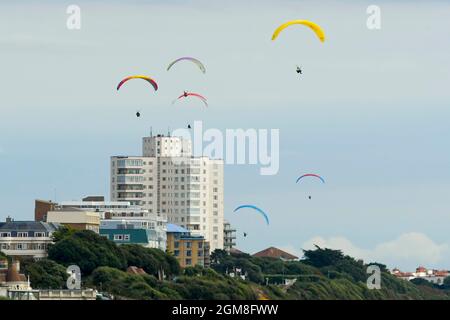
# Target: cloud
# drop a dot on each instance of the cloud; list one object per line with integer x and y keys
{"x": 406, "y": 252}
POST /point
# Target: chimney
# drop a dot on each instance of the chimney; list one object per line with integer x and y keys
{"x": 9, "y": 219}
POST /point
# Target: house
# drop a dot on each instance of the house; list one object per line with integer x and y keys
{"x": 431, "y": 275}
{"x": 26, "y": 238}
{"x": 276, "y": 253}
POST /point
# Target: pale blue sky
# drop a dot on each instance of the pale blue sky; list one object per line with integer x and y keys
{"x": 370, "y": 113}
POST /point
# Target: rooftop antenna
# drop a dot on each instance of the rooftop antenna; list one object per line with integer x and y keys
{"x": 168, "y": 131}
{"x": 151, "y": 131}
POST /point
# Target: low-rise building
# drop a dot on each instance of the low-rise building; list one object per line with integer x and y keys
{"x": 126, "y": 233}
{"x": 26, "y": 238}
{"x": 188, "y": 249}
{"x": 431, "y": 275}
{"x": 149, "y": 229}
{"x": 76, "y": 219}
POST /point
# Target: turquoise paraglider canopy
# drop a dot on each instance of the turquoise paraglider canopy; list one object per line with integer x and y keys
{"x": 249, "y": 206}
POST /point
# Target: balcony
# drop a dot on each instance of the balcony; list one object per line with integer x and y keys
{"x": 127, "y": 187}
{"x": 129, "y": 195}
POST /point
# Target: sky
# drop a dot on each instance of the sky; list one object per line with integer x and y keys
{"x": 370, "y": 112}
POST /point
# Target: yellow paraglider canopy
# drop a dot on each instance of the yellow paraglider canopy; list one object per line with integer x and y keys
{"x": 313, "y": 26}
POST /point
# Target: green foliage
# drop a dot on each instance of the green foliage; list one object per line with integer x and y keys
{"x": 193, "y": 271}
{"x": 124, "y": 285}
{"x": 46, "y": 274}
{"x": 324, "y": 274}
{"x": 151, "y": 260}
{"x": 446, "y": 283}
{"x": 86, "y": 249}
{"x": 62, "y": 232}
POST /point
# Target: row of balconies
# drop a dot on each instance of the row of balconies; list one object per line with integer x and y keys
{"x": 130, "y": 187}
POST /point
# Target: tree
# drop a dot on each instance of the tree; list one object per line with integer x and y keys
{"x": 46, "y": 274}
{"x": 87, "y": 250}
{"x": 149, "y": 259}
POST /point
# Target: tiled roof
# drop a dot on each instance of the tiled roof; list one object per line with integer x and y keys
{"x": 273, "y": 252}
{"x": 236, "y": 251}
{"x": 28, "y": 226}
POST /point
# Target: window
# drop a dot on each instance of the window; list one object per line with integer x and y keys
{"x": 189, "y": 253}
{"x": 105, "y": 236}
{"x": 126, "y": 237}
{"x": 176, "y": 244}
{"x": 188, "y": 262}
{"x": 39, "y": 234}
{"x": 176, "y": 253}
{"x": 188, "y": 244}
{"x": 118, "y": 237}
{"x": 5, "y": 234}
{"x": 22, "y": 246}
{"x": 22, "y": 234}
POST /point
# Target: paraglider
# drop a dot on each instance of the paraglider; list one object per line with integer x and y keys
{"x": 310, "y": 175}
{"x": 248, "y": 206}
{"x": 196, "y": 61}
{"x": 245, "y": 234}
{"x": 138, "y": 114}
{"x": 313, "y": 26}
{"x": 146, "y": 78}
{"x": 191, "y": 94}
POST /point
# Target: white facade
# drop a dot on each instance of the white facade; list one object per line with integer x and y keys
{"x": 169, "y": 181}
{"x": 26, "y": 238}
{"x": 113, "y": 213}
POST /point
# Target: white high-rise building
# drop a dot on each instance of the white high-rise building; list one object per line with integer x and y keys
{"x": 170, "y": 181}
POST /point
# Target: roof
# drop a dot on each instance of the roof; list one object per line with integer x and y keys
{"x": 28, "y": 226}
{"x": 236, "y": 251}
{"x": 13, "y": 275}
{"x": 176, "y": 228}
{"x": 273, "y": 252}
{"x": 94, "y": 198}
{"x": 135, "y": 270}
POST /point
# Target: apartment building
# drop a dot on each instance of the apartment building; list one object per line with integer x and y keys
{"x": 188, "y": 249}
{"x": 169, "y": 181}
